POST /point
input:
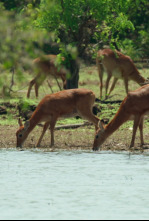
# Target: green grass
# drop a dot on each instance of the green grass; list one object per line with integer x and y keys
{"x": 88, "y": 79}
{"x": 81, "y": 137}
{"x": 8, "y": 119}
{"x": 70, "y": 121}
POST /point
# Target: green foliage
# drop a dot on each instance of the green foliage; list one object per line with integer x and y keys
{"x": 66, "y": 55}
{"x": 143, "y": 42}
{"x": 129, "y": 48}
{"x": 17, "y": 44}
{"x": 139, "y": 14}
{"x": 18, "y": 5}
{"x": 78, "y": 27}
{"x": 25, "y": 103}
{"x": 80, "y": 21}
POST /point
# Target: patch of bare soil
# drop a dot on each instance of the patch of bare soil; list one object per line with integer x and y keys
{"x": 74, "y": 139}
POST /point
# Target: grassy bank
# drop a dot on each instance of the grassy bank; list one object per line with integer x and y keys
{"x": 73, "y": 138}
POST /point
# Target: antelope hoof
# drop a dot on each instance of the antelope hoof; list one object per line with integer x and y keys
{"x": 95, "y": 149}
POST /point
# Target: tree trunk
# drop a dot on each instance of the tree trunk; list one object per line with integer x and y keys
{"x": 72, "y": 82}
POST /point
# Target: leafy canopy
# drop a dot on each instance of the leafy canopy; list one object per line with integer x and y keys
{"x": 68, "y": 18}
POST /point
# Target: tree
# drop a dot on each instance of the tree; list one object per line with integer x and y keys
{"x": 78, "y": 27}
{"x": 139, "y": 14}
{"x": 79, "y": 22}
{"x": 18, "y": 5}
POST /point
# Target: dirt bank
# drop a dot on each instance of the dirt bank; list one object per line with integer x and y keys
{"x": 71, "y": 139}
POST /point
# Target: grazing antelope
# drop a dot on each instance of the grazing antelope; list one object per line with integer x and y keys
{"x": 119, "y": 66}
{"x": 46, "y": 66}
{"x": 134, "y": 107}
{"x": 67, "y": 103}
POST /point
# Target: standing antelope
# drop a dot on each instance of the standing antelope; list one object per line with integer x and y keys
{"x": 119, "y": 66}
{"x": 65, "y": 104}
{"x": 46, "y": 66}
{"x": 134, "y": 107}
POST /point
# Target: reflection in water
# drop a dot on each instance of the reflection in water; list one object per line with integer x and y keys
{"x": 73, "y": 185}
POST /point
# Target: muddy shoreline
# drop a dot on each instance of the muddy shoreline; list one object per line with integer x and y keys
{"x": 68, "y": 140}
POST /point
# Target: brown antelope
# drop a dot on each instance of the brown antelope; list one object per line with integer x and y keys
{"x": 119, "y": 66}
{"x": 134, "y": 107}
{"x": 46, "y": 66}
{"x": 64, "y": 104}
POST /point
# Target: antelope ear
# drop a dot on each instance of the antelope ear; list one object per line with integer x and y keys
{"x": 26, "y": 125}
{"x": 20, "y": 122}
{"x": 101, "y": 126}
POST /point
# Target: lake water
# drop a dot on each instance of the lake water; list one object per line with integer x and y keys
{"x": 73, "y": 185}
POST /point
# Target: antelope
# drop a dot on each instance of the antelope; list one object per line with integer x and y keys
{"x": 66, "y": 103}
{"x": 119, "y": 66}
{"x": 45, "y": 66}
{"x": 134, "y": 107}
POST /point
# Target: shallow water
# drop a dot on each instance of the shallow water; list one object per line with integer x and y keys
{"x": 73, "y": 185}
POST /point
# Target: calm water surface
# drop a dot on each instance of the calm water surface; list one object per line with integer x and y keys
{"x": 73, "y": 185}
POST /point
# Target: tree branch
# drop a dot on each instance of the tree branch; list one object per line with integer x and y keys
{"x": 62, "y": 4}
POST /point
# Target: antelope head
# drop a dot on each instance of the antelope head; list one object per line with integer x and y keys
{"x": 21, "y": 134}
{"x": 99, "y": 137}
